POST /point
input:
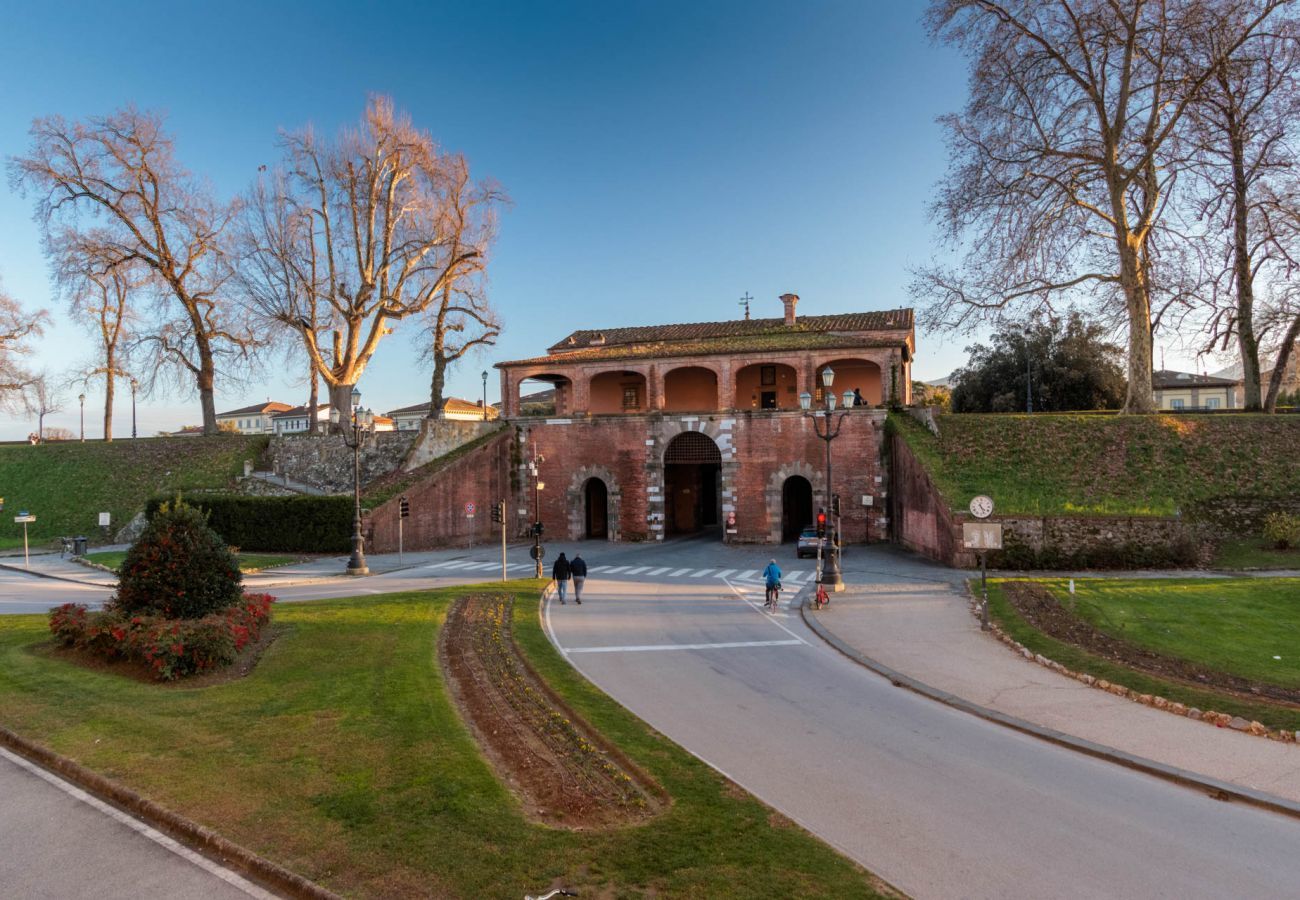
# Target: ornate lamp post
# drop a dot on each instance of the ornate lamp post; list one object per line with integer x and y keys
{"x": 363, "y": 422}
{"x": 538, "y": 484}
{"x": 830, "y": 576}
{"x": 485, "y": 374}
{"x": 134, "y": 384}
{"x": 82, "y": 398}
{"x": 1029, "y": 374}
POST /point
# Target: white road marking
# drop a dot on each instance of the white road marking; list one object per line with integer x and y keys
{"x": 441, "y": 564}
{"x": 794, "y": 576}
{"x": 638, "y": 570}
{"x": 615, "y": 570}
{"x": 649, "y": 647}
{"x": 725, "y": 572}
{"x": 136, "y": 825}
{"x": 701, "y": 573}
{"x": 759, "y": 609}
{"x": 678, "y": 573}
{"x": 595, "y": 569}
{"x": 480, "y": 566}
{"x": 660, "y": 571}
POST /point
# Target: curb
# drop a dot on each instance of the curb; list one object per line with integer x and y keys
{"x": 38, "y": 574}
{"x": 1219, "y": 790}
{"x": 191, "y": 834}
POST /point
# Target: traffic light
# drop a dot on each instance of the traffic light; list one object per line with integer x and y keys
{"x": 537, "y": 528}
{"x": 835, "y": 505}
{"x": 821, "y": 523}
{"x": 404, "y": 508}
{"x": 498, "y": 511}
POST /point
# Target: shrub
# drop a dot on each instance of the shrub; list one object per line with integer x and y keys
{"x": 275, "y": 524}
{"x": 170, "y": 648}
{"x": 179, "y": 568}
{"x": 1282, "y": 529}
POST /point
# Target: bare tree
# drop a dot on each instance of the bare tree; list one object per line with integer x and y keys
{"x": 17, "y": 328}
{"x": 1062, "y": 156}
{"x": 120, "y": 170}
{"x": 461, "y": 321}
{"x": 1238, "y": 132}
{"x": 367, "y": 230}
{"x": 99, "y": 290}
{"x": 43, "y": 397}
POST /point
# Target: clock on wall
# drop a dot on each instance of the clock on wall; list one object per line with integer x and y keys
{"x": 981, "y": 507}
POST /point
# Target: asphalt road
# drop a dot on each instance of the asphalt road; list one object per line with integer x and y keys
{"x": 939, "y": 803}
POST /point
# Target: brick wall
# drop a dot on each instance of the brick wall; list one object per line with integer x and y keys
{"x": 921, "y": 517}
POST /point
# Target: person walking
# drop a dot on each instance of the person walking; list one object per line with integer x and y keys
{"x": 561, "y": 572}
{"x": 578, "y": 566}
{"x": 772, "y": 578}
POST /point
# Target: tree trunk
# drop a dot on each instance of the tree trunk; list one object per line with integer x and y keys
{"x": 1139, "y": 399}
{"x": 436, "y": 385}
{"x": 108, "y": 403}
{"x": 313, "y": 403}
{"x": 1280, "y": 364}
{"x": 341, "y": 401}
{"x": 1246, "y": 341}
{"x": 206, "y": 399}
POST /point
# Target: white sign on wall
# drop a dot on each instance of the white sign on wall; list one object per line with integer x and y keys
{"x": 981, "y": 535}
{"x": 104, "y": 519}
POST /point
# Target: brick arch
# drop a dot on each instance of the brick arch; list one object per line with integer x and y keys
{"x": 718, "y": 428}
{"x": 574, "y": 498}
{"x": 703, "y": 405}
{"x": 776, "y": 483}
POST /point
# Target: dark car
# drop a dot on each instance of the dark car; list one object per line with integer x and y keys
{"x": 808, "y": 543}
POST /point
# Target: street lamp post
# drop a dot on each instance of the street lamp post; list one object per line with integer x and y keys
{"x": 363, "y": 420}
{"x": 82, "y": 398}
{"x": 485, "y": 376}
{"x": 535, "y": 473}
{"x": 830, "y": 576}
{"x": 1029, "y": 375}
{"x": 134, "y": 385}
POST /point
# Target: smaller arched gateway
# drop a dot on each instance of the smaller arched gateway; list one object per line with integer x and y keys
{"x": 796, "y": 507}
{"x": 692, "y": 483}
{"x": 595, "y": 496}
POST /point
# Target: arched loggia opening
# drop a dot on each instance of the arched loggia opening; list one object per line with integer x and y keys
{"x": 596, "y": 509}
{"x": 796, "y": 507}
{"x": 692, "y": 484}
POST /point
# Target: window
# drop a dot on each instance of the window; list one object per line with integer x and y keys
{"x": 1175, "y": 404}
{"x": 631, "y": 397}
{"x": 767, "y": 375}
{"x": 1212, "y": 403}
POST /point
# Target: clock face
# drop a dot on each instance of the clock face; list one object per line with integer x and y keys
{"x": 981, "y": 507}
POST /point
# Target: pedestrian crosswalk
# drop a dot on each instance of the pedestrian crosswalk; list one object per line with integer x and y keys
{"x": 796, "y": 578}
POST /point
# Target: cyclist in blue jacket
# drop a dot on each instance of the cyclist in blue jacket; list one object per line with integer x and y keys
{"x": 772, "y": 578}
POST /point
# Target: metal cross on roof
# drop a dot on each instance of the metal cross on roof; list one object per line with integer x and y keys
{"x": 744, "y": 301}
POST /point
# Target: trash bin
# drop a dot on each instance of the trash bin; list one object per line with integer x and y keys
{"x": 79, "y": 545}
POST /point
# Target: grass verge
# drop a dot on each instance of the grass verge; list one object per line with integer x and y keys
{"x": 248, "y": 562}
{"x": 341, "y": 757}
{"x": 1218, "y": 623}
{"x": 1255, "y": 553}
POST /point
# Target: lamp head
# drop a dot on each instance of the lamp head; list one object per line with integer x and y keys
{"x": 828, "y": 377}
{"x": 848, "y": 399}
{"x": 830, "y": 400}
{"x": 485, "y": 374}
{"x": 805, "y": 400}
{"x": 356, "y": 398}
{"x": 334, "y": 416}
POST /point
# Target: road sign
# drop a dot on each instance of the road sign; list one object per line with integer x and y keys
{"x": 537, "y": 552}
{"x": 105, "y": 519}
{"x": 469, "y": 509}
{"x": 24, "y": 519}
{"x": 981, "y": 535}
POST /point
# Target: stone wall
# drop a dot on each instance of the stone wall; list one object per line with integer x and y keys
{"x": 1238, "y": 515}
{"x": 438, "y": 437}
{"x": 325, "y": 461}
{"x": 482, "y": 476}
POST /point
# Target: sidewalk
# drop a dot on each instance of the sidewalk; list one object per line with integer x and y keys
{"x": 922, "y": 628}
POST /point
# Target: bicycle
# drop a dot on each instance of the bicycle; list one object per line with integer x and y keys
{"x": 821, "y": 598}
{"x": 773, "y": 595}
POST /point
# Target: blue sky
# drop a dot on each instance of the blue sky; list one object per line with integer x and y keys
{"x": 662, "y": 158}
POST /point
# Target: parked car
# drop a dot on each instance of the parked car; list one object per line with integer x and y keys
{"x": 808, "y": 543}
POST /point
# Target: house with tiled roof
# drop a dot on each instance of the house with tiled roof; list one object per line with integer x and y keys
{"x": 1187, "y": 391}
{"x": 408, "y": 418}
{"x": 657, "y": 430}
{"x": 255, "y": 419}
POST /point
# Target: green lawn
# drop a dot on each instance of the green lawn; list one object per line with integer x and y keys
{"x": 1050, "y": 464}
{"x": 67, "y": 484}
{"x": 1234, "y": 625}
{"x": 1256, "y": 553}
{"x": 248, "y": 562}
{"x": 342, "y": 758}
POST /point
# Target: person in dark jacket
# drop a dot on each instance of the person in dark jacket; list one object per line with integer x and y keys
{"x": 561, "y": 573}
{"x": 578, "y": 567}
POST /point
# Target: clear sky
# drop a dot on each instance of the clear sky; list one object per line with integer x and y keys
{"x": 663, "y": 158}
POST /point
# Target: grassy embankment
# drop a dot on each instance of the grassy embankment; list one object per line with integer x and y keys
{"x": 248, "y": 562}
{"x": 341, "y": 757}
{"x": 1248, "y": 627}
{"x": 67, "y": 484}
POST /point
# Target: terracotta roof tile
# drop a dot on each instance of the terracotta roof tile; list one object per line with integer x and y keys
{"x": 1163, "y": 379}
{"x": 270, "y": 406}
{"x": 783, "y": 340}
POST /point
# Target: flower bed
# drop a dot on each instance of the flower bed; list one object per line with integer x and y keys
{"x": 169, "y": 648}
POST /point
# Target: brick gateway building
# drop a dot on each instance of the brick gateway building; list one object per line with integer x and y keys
{"x": 676, "y": 429}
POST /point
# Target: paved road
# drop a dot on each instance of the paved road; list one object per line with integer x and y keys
{"x": 57, "y": 843}
{"x": 940, "y": 803}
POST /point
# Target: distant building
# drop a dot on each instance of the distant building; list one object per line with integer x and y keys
{"x": 295, "y": 420}
{"x": 408, "y": 418}
{"x": 254, "y": 419}
{"x": 1187, "y": 391}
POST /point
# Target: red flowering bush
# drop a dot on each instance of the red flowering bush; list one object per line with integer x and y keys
{"x": 179, "y": 568}
{"x": 171, "y": 648}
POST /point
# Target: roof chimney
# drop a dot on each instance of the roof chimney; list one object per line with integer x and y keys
{"x": 789, "y": 300}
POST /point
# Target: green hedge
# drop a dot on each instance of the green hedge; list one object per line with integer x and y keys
{"x": 276, "y": 524}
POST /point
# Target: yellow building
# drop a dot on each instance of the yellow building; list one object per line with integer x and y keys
{"x": 1186, "y": 391}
